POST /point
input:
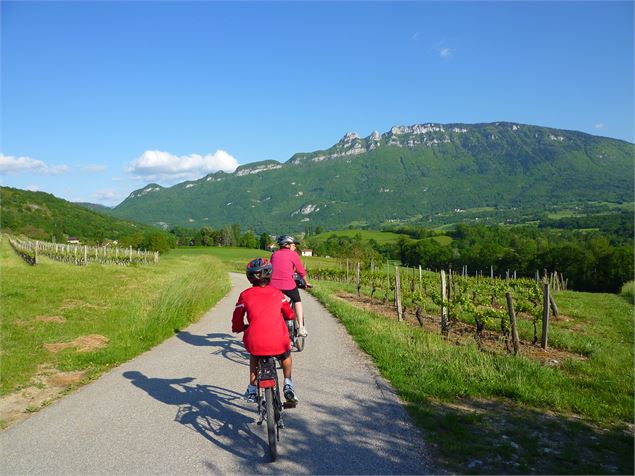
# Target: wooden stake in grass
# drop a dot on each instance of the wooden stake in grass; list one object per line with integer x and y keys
{"x": 444, "y": 310}
{"x": 545, "y": 316}
{"x": 357, "y": 278}
{"x": 554, "y": 308}
{"x": 512, "y": 321}
{"x": 398, "y": 294}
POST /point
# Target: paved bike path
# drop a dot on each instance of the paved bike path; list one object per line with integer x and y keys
{"x": 178, "y": 409}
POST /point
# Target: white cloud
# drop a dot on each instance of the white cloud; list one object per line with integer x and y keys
{"x": 155, "y": 165}
{"x": 446, "y": 53}
{"x": 10, "y": 165}
{"x": 33, "y": 188}
{"x": 94, "y": 168}
{"x": 416, "y": 36}
{"x": 599, "y": 125}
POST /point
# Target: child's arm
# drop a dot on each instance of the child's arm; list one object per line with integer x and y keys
{"x": 287, "y": 312}
{"x": 238, "y": 323}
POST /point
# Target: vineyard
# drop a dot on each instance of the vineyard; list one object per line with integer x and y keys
{"x": 30, "y": 251}
{"x": 487, "y": 303}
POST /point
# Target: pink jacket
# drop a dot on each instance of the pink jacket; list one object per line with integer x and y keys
{"x": 285, "y": 262}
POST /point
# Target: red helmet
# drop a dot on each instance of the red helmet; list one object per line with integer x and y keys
{"x": 259, "y": 271}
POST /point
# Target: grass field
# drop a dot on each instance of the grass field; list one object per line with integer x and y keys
{"x": 121, "y": 310}
{"x": 380, "y": 237}
{"x": 492, "y": 413}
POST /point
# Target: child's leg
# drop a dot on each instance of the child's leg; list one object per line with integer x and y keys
{"x": 253, "y": 368}
{"x": 286, "y": 367}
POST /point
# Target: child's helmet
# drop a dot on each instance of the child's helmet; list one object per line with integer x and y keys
{"x": 259, "y": 270}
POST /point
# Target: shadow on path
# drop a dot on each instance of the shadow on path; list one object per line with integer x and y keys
{"x": 228, "y": 345}
{"x": 211, "y": 411}
{"x": 351, "y": 439}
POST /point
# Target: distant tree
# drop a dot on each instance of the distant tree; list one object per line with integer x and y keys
{"x": 236, "y": 235}
{"x": 227, "y": 237}
{"x": 249, "y": 240}
{"x": 265, "y": 241}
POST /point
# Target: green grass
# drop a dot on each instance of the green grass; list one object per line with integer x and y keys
{"x": 135, "y": 307}
{"x": 380, "y": 237}
{"x": 473, "y": 405}
{"x": 628, "y": 292}
{"x": 234, "y": 259}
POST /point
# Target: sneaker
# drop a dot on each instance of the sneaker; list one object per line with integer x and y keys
{"x": 250, "y": 395}
{"x": 302, "y": 332}
{"x": 289, "y": 393}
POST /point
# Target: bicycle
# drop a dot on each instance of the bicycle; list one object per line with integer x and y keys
{"x": 270, "y": 406}
{"x": 296, "y": 340}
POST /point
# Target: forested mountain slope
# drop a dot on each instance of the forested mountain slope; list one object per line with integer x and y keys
{"x": 405, "y": 174}
{"x": 43, "y": 216}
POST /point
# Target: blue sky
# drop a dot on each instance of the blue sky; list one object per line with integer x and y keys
{"x": 101, "y": 98}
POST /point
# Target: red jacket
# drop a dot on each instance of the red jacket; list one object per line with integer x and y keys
{"x": 266, "y": 309}
{"x": 285, "y": 262}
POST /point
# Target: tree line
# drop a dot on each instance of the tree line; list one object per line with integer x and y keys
{"x": 590, "y": 260}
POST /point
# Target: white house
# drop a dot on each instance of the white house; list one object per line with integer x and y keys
{"x": 307, "y": 252}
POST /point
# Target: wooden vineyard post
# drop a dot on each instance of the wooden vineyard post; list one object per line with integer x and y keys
{"x": 420, "y": 280}
{"x": 512, "y": 321}
{"x": 36, "y": 249}
{"x": 347, "y": 269}
{"x": 85, "y": 254}
{"x": 491, "y": 272}
{"x": 387, "y": 283}
{"x": 444, "y": 310}
{"x": 554, "y": 308}
{"x": 545, "y": 316}
{"x": 398, "y": 294}
{"x": 357, "y": 278}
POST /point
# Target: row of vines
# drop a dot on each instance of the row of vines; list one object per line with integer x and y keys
{"x": 487, "y": 302}
{"x": 30, "y": 250}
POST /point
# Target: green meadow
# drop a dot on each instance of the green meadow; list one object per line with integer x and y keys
{"x": 493, "y": 413}
{"x": 133, "y": 307}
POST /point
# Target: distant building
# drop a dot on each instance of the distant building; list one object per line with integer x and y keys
{"x": 307, "y": 252}
{"x": 72, "y": 240}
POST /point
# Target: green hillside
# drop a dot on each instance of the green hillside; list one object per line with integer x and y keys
{"x": 409, "y": 174}
{"x": 43, "y": 216}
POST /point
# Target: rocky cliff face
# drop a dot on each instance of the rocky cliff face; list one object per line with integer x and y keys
{"x": 427, "y": 135}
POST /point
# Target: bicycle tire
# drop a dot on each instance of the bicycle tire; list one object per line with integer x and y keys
{"x": 299, "y": 343}
{"x": 271, "y": 424}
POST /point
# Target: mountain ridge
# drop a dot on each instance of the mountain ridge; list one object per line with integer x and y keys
{"x": 424, "y": 161}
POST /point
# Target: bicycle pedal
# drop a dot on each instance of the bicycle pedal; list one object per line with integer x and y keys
{"x": 290, "y": 404}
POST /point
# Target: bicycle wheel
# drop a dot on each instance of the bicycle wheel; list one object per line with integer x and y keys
{"x": 271, "y": 424}
{"x": 299, "y": 343}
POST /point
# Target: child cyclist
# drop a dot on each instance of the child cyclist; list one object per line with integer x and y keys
{"x": 266, "y": 333}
